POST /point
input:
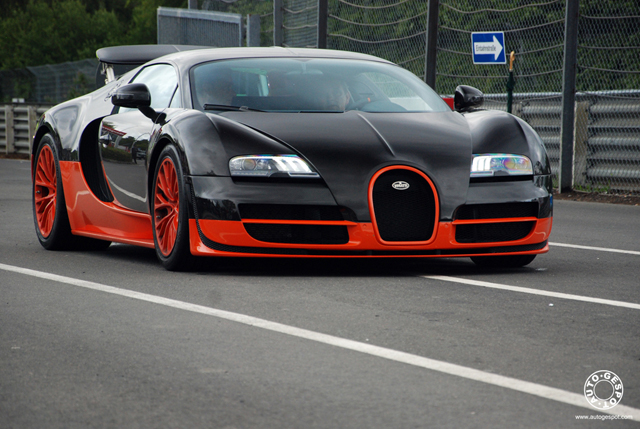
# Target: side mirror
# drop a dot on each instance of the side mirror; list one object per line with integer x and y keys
{"x": 134, "y": 95}
{"x": 467, "y": 98}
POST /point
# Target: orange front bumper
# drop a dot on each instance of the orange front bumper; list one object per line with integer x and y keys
{"x": 229, "y": 238}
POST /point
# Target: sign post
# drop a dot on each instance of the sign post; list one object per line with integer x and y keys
{"x": 511, "y": 83}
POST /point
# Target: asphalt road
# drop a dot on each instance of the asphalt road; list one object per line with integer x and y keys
{"x": 111, "y": 340}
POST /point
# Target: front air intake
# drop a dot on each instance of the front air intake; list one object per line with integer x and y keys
{"x": 493, "y": 232}
{"x": 298, "y": 233}
{"x": 404, "y": 207}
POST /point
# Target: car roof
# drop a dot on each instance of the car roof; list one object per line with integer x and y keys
{"x": 192, "y": 57}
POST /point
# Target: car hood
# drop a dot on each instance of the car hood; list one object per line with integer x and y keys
{"x": 347, "y": 149}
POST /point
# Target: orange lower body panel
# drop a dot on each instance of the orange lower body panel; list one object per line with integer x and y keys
{"x": 361, "y": 238}
{"x": 98, "y": 219}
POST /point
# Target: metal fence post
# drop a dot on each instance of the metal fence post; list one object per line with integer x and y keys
{"x": 323, "y": 15}
{"x": 580, "y": 147}
{"x": 432, "y": 39}
{"x": 9, "y": 129}
{"x": 32, "y": 112}
{"x": 278, "y": 16}
{"x": 565, "y": 179}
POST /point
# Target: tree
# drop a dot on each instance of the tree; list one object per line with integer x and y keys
{"x": 63, "y": 30}
{"x": 53, "y": 31}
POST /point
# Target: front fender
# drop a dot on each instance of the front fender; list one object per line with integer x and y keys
{"x": 208, "y": 142}
{"x": 499, "y": 132}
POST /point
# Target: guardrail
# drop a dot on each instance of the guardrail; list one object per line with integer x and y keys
{"x": 17, "y": 127}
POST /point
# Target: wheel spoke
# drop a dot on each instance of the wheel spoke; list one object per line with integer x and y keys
{"x": 45, "y": 191}
{"x": 166, "y": 206}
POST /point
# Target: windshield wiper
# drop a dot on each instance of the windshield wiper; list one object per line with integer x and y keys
{"x": 227, "y": 108}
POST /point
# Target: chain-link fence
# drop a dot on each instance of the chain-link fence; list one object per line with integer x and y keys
{"x": 300, "y": 23}
{"x": 534, "y": 32}
{"x": 266, "y": 29}
{"x": 391, "y": 29}
{"x": 15, "y": 85}
{"x": 607, "y": 153}
{"x": 49, "y": 83}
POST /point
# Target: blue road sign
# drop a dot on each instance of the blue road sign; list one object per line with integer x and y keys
{"x": 488, "y": 47}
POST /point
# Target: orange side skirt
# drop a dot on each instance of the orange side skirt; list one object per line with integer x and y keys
{"x": 93, "y": 218}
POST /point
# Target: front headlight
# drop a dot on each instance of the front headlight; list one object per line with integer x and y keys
{"x": 500, "y": 164}
{"x": 271, "y": 166}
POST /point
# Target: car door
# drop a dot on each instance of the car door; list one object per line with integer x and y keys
{"x": 124, "y": 138}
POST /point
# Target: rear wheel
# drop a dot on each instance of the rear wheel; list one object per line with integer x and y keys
{"x": 506, "y": 261}
{"x": 170, "y": 214}
{"x": 49, "y": 208}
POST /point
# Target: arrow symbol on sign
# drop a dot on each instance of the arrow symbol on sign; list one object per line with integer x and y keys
{"x": 488, "y": 48}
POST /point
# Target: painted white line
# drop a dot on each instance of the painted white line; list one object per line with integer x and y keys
{"x": 542, "y": 391}
{"x": 536, "y": 291}
{"x": 601, "y": 249}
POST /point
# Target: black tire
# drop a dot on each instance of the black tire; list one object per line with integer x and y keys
{"x": 171, "y": 229}
{"x": 506, "y": 261}
{"x": 49, "y": 208}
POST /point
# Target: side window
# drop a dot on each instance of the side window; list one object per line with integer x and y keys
{"x": 162, "y": 80}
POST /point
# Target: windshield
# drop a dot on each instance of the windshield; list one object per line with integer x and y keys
{"x": 310, "y": 85}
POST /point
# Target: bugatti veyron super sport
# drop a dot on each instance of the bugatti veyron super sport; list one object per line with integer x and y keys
{"x": 288, "y": 153}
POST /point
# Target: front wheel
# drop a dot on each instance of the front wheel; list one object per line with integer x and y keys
{"x": 506, "y": 261}
{"x": 170, "y": 214}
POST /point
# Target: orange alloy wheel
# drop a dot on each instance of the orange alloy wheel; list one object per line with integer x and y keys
{"x": 166, "y": 206}
{"x": 45, "y": 191}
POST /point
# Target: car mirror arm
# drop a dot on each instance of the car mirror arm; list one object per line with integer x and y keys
{"x": 150, "y": 113}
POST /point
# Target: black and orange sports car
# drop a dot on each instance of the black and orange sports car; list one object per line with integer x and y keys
{"x": 286, "y": 153}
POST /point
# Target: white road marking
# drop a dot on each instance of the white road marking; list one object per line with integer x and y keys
{"x": 601, "y": 249}
{"x": 542, "y": 391}
{"x": 536, "y": 291}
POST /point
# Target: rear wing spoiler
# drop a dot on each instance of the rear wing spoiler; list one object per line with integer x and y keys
{"x": 114, "y": 61}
